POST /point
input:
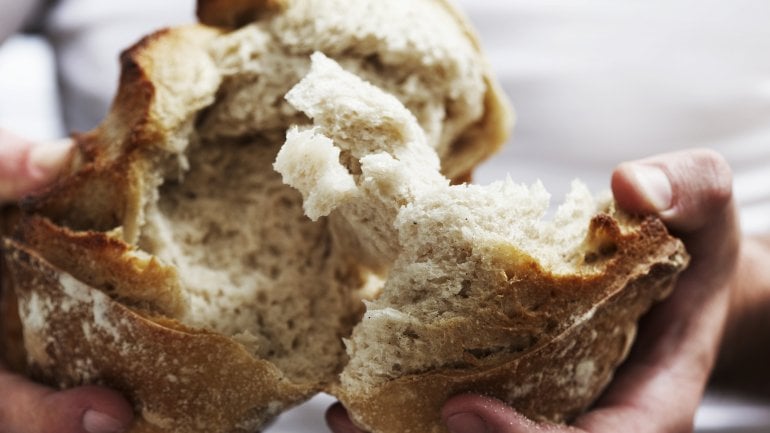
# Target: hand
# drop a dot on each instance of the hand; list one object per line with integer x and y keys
{"x": 26, "y": 166}
{"x": 27, "y": 407}
{"x": 660, "y": 386}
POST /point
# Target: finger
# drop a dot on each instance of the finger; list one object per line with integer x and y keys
{"x": 26, "y": 166}
{"x": 659, "y": 387}
{"x": 691, "y": 191}
{"x": 28, "y": 407}
{"x": 684, "y": 188}
{"x": 338, "y": 420}
{"x": 469, "y": 413}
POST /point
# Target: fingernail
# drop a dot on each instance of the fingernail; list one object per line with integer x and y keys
{"x": 49, "y": 157}
{"x": 654, "y": 185}
{"x": 97, "y": 422}
{"x": 466, "y": 422}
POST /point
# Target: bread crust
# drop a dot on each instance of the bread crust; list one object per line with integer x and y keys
{"x": 102, "y": 186}
{"x": 180, "y": 379}
{"x": 485, "y": 137}
{"x": 236, "y": 13}
{"x": 567, "y": 369}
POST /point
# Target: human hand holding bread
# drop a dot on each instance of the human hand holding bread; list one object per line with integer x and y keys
{"x": 26, "y": 165}
{"x": 660, "y": 386}
{"x": 113, "y": 259}
{"x": 28, "y": 407}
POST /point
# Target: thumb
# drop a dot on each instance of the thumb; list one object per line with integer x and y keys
{"x": 26, "y": 165}
{"x": 661, "y": 383}
{"x": 470, "y": 413}
{"x": 686, "y": 189}
{"x": 691, "y": 191}
{"x": 27, "y": 407}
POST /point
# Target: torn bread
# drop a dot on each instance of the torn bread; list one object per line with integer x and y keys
{"x": 172, "y": 263}
{"x": 482, "y": 294}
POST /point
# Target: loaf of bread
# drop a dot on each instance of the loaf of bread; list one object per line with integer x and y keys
{"x": 273, "y": 208}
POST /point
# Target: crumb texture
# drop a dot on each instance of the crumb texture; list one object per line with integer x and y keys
{"x": 451, "y": 251}
{"x": 272, "y": 286}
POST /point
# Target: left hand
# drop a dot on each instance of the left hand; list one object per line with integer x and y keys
{"x": 25, "y": 406}
{"x": 660, "y": 386}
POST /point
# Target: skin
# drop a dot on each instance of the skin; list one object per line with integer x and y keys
{"x": 725, "y": 291}
{"x": 29, "y": 407}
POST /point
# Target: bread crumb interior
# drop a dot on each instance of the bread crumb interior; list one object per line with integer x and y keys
{"x": 455, "y": 253}
{"x": 253, "y": 266}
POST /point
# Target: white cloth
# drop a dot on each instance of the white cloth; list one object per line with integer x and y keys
{"x": 595, "y": 82}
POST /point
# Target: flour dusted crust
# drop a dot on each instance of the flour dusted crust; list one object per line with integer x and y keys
{"x": 182, "y": 379}
{"x": 115, "y": 267}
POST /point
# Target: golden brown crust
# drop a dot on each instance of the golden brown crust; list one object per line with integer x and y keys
{"x": 106, "y": 263}
{"x": 101, "y": 188}
{"x": 485, "y": 137}
{"x": 236, "y": 13}
{"x": 180, "y": 379}
{"x": 573, "y": 357}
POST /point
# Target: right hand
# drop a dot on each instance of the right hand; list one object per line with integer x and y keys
{"x": 659, "y": 387}
{"x": 25, "y": 406}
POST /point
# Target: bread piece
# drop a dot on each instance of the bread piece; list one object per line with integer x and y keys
{"x": 482, "y": 294}
{"x": 171, "y": 263}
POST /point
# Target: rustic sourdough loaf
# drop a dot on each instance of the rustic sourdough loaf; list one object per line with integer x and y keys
{"x": 173, "y": 263}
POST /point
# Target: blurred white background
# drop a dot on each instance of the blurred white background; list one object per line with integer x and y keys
{"x": 29, "y": 98}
